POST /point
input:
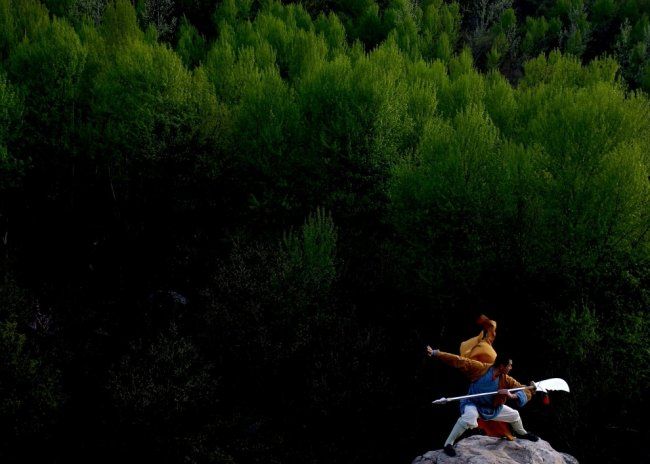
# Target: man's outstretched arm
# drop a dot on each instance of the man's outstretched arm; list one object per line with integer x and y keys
{"x": 471, "y": 368}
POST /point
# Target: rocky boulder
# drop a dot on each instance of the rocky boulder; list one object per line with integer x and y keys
{"x": 489, "y": 450}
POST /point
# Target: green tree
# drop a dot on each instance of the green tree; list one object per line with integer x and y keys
{"x": 20, "y": 19}
{"x": 537, "y": 38}
{"x": 443, "y": 203}
{"x": 440, "y": 29}
{"x": 311, "y": 255}
{"x": 191, "y": 45}
{"x": 50, "y": 68}
{"x": 151, "y": 106}
{"x": 120, "y": 24}
{"x": 11, "y": 108}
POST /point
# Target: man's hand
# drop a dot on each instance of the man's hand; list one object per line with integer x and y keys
{"x": 432, "y": 352}
{"x": 505, "y": 391}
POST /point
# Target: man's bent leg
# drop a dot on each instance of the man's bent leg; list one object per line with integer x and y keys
{"x": 512, "y": 416}
{"x": 467, "y": 421}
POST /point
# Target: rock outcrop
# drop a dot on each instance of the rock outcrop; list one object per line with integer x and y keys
{"x": 488, "y": 450}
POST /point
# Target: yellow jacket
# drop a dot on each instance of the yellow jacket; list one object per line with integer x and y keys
{"x": 480, "y": 347}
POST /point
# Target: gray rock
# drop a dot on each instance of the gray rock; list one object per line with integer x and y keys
{"x": 490, "y": 450}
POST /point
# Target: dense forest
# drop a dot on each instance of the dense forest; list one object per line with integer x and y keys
{"x": 229, "y": 228}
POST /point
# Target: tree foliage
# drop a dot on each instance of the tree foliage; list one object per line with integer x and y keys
{"x": 227, "y": 229}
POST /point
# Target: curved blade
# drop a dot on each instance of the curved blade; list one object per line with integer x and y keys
{"x": 440, "y": 401}
{"x": 552, "y": 385}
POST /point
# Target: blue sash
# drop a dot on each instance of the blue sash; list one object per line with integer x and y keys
{"x": 484, "y": 404}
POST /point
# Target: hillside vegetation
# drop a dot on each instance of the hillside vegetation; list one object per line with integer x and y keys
{"x": 230, "y": 228}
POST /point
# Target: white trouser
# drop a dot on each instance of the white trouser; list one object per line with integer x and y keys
{"x": 469, "y": 420}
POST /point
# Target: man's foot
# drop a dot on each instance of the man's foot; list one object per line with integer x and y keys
{"x": 528, "y": 436}
{"x": 450, "y": 451}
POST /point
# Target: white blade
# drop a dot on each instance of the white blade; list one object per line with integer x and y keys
{"x": 552, "y": 385}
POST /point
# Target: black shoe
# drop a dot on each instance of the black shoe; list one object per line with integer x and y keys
{"x": 449, "y": 451}
{"x": 528, "y": 436}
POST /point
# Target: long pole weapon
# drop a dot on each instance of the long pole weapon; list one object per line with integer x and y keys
{"x": 543, "y": 386}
